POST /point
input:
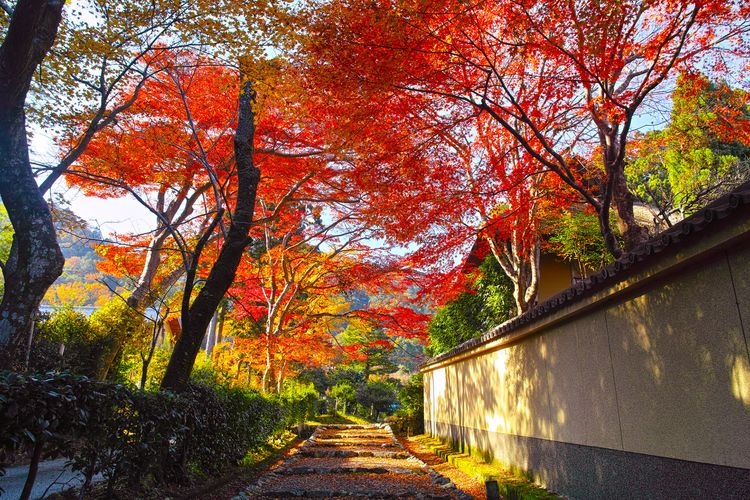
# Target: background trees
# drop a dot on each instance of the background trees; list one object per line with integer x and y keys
{"x": 701, "y": 154}
{"x": 487, "y": 303}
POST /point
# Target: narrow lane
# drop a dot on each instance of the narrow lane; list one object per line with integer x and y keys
{"x": 352, "y": 461}
{"x": 53, "y": 476}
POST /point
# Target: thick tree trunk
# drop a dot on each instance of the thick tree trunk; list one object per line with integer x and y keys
{"x": 36, "y": 260}
{"x": 616, "y": 192}
{"x": 223, "y": 271}
{"x": 633, "y": 233}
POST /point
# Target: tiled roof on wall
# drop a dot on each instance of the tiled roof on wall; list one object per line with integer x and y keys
{"x": 733, "y": 205}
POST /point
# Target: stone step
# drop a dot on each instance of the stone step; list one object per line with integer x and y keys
{"x": 322, "y": 452}
{"x": 352, "y": 469}
{"x": 369, "y": 444}
{"x": 353, "y": 465}
{"x": 342, "y": 435}
{"x": 352, "y": 486}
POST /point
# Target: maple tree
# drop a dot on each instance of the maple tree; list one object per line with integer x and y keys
{"x": 172, "y": 151}
{"x": 438, "y": 186}
{"x": 432, "y": 182}
{"x": 565, "y": 79}
{"x": 293, "y": 288}
{"x": 293, "y": 158}
{"x": 512, "y": 230}
{"x": 101, "y": 51}
{"x": 197, "y": 314}
{"x": 163, "y": 151}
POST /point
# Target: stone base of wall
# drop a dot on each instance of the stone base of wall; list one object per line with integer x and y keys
{"x": 578, "y": 471}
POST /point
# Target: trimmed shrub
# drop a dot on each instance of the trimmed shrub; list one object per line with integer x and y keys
{"x": 409, "y": 419}
{"x": 300, "y": 402}
{"x": 134, "y": 439}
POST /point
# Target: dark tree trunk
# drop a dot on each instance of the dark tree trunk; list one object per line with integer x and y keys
{"x": 36, "y": 260}
{"x": 615, "y": 192}
{"x": 197, "y": 318}
{"x": 633, "y": 233}
{"x": 36, "y": 457}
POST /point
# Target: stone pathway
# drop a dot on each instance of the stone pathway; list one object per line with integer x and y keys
{"x": 352, "y": 461}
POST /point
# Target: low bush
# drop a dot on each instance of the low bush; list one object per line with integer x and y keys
{"x": 134, "y": 439}
{"x": 411, "y": 398}
{"x": 300, "y": 402}
{"x": 376, "y": 397}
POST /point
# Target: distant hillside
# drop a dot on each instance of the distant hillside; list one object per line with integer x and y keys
{"x": 81, "y": 283}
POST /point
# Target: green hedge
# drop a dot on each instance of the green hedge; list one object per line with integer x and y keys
{"x": 133, "y": 438}
{"x": 300, "y": 402}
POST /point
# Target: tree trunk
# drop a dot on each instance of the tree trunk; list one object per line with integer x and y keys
{"x": 280, "y": 378}
{"x": 220, "y": 328}
{"x": 155, "y": 333}
{"x": 521, "y": 269}
{"x": 633, "y": 234}
{"x": 36, "y": 260}
{"x": 140, "y": 299}
{"x": 211, "y": 342}
{"x": 224, "y": 268}
{"x": 36, "y": 457}
{"x": 265, "y": 382}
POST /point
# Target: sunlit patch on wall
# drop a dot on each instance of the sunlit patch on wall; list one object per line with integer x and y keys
{"x": 741, "y": 380}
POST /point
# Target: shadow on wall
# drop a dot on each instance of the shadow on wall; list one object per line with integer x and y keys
{"x": 503, "y": 392}
{"x": 680, "y": 359}
{"x": 664, "y": 372}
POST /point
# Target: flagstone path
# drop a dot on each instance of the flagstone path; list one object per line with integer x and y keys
{"x": 352, "y": 461}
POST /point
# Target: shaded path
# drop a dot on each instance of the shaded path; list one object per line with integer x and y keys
{"x": 353, "y": 461}
{"x": 53, "y": 476}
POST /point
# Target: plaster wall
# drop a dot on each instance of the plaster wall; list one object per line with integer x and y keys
{"x": 662, "y": 370}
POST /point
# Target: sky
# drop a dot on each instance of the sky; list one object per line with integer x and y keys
{"x": 123, "y": 215}
{"x": 112, "y": 215}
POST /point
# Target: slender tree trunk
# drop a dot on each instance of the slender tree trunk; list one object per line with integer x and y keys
{"x": 265, "y": 382}
{"x": 211, "y": 341}
{"x": 522, "y": 270}
{"x": 155, "y": 333}
{"x": 33, "y": 468}
{"x": 36, "y": 260}
{"x": 223, "y": 271}
{"x": 280, "y": 377}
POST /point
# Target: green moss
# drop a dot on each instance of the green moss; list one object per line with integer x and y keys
{"x": 513, "y": 483}
{"x": 265, "y": 454}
